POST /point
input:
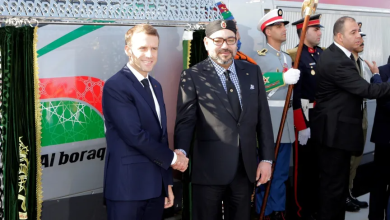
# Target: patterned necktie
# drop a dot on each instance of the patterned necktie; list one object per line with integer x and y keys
{"x": 232, "y": 95}
{"x": 146, "y": 84}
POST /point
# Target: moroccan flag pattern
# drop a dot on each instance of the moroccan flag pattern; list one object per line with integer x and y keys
{"x": 71, "y": 109}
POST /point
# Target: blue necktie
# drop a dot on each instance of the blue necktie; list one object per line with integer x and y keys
{"x": 146, "y": 84}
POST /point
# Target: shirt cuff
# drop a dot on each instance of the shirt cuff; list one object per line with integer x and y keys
{"x": 267, "y": 161}
{"x": 183, "y": 151}
{"x": 174, "y": 158}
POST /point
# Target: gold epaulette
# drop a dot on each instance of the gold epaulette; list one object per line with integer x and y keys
{"x": 293, "y": 53}
{"x": 262, "y": 52}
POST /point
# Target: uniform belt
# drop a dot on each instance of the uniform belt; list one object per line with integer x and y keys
{"x": 306, "y": 104}
{"x": 278, "y": 103}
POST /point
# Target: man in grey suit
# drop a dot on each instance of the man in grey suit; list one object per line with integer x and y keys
{"x": 222, "y": 107}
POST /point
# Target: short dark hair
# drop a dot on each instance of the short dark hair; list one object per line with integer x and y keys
{"x": 264, "y": 30}
{"x": 339, "y": 25}
{"x": 299, "y": 32}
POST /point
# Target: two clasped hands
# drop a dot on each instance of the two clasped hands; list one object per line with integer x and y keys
{"x": 181, "y": 163}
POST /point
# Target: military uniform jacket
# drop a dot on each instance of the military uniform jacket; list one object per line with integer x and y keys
{"x": 304, "y": 90}
{"x": 366, "y": 74}
{"x": 272, "y": 61}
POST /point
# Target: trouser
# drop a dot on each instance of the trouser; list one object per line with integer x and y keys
{"x": 277, "y": 195}
{"x": 355, "y": 161}
{"x": 334, "y": 173}
{"x": 306, "y": 179}
{"x": 379, "y": 194}
{"x": 136, "y": 210}
{"x": 236, "y": 196}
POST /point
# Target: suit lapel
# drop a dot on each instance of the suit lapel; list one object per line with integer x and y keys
{"x": 211, "y": 75}
{"x": 338, "y": 50}
{"x": 140, "y": 89}
{"x": 160, "y": 99}
{"x": 245, "y": 86}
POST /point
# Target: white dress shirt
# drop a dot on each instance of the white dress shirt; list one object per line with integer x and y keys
{"x": 347, "y": 52}
{"x": 140, "y": 77}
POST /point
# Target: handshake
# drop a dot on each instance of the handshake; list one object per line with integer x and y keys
{"x": 181, "y": 163}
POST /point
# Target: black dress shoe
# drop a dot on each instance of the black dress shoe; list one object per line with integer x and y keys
{"x": 309, "y": 217}
{"x": 361, "y": 204}
{"x": 350, "y": 206}
{"x": 280, "y": 215}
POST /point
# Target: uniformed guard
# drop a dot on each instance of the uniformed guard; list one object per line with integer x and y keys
{"x": 306, "y": 172}
{"x": 276, "y": 65}
{"x": 352, "y": 203}
{"x": 271, "y": 80}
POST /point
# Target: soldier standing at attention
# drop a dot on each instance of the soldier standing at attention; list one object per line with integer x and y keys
{"x": 274, "y": 80}
{"x": 273, "y": 62}
{"x": 306, "y": 173}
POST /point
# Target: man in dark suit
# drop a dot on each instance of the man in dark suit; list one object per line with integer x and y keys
{"x": 380, "y": 136}
{"x": 223, "y": 102}
{"x": 338, "y": 113}
{"x": 138, "y": 177}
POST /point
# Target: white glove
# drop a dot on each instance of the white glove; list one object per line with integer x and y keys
{"x": 291, "y": 76}
{"x": 303, "y": 136}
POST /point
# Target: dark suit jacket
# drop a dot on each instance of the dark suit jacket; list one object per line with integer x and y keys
{"x": 203, "y": 106}
{"x": 138, "y": 157}
{"x": 338, "y": 115}
{"x": 381, "y": 127}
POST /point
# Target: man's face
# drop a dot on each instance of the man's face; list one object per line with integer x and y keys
{"x": 142, "y": 52}
{"x": 277, "y": 32}
{"x": 361, "y": 47}
{"x": 351, "y": 38}
{"x": 313, "y": 36}
{"x": 224, "y": 53}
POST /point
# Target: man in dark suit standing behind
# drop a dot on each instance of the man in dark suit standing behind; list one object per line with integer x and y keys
{"x": 137, "y": 173}
{"x": 224, "y": 102}
{"x": 338, "y": 114}
{"x": 379, "y": 193}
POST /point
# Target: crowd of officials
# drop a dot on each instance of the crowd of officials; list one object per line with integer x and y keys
{"x": 227, "y": 121}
